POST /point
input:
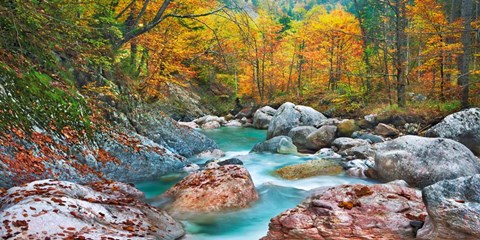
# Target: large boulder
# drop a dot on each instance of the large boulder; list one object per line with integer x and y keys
{"x": 453, "y": 209}
{"x": 299, "y": 136}
{"x": 310, "y": 169}
{"x": 165, "y": 131}
{"x": 279, "y": 144}
{"x": 212, "y": 190}
{"x": 424, "y": 161}
{"x": 322, "y": 137}
{"x": 382, "y": 211}
{"x": 263, "y": 117}
{"x": 463, "y": 126}
{"x": 49, "y": 209}
{"x": 289, "y": 116}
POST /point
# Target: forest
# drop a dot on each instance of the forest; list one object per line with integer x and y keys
{"x": 351, "y": 53}
{"x": 240, "y": 119}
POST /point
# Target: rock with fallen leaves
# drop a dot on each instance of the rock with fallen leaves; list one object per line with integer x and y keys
{"x": 216, "y": 189}
{"x": 50, "y": 209}
{"x": 110, "y": 154}
{"x": 382, "y": 211}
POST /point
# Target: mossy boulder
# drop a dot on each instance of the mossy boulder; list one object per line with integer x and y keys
{"x": 346, "y": 128}
{"x": 310, "y": 169}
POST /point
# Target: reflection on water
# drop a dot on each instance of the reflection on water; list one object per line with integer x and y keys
{"x": 276, "y": 194}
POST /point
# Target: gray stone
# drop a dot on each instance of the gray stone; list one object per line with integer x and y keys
{"x": 463, "y": 126}
{"x": 233, "y": 123}
{"x": 328, "y": 121}
{"x": 299, "y": 136}
{"x": 263, "y": 117}
{"x": 369, "y": 137}
{"x": 279, "y": 144}
{"x": 362, "y": 151}
{"x": 289, "y": 116}
{"x": 424, "y": 161}
{"x": 211, "y": 125}
{"x": 230, "y": 161}
{"x": 209, "y": 118}
{"x": 192, "y": 124}
{"x": 321, "y": 138}
{"x": 345, "y": 143}
{"x": 357, "y": 167}
{"x": 372, "y": 118}
{"x": 412, "y": 128}
{"x": 211, "y": 154}
{"x": 165, "y": 131}
{"x": 453, "y": 208}
{"x": 327, "y": 153}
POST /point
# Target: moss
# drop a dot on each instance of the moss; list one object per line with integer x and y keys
{"x": 33, "y": 99}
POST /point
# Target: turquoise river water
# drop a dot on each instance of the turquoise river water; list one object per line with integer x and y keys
{"x": 276, "y": 194}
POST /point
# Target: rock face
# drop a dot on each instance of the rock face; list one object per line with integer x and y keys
{"x": 289, "y": 116}
{"x": 323, "y": 137}
{"x": 132, "y": 157}
{"x": 165, "y": 131}
{"x": 453, "y": 209}
{"x": 424, "y": 161}
{"x": 263, "y": 117}
{"x": 279, "y": 144}
{"x": 49, "y": 209}
{"x": 462, "y": 126}
{"x": 211, "y": 190}
{"x": 299, "y": 136}
{"x": 310, "y": 169}
{"x": 111, "y": 154}
{"x": 381, "y": 211}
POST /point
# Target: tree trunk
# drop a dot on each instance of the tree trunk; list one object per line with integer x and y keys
{"x": 463, "y": 80}
{"x": 365, "y": 44}
{"x": 400, "y": 20}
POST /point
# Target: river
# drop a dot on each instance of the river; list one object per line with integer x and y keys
{"x": 276, "y": 194}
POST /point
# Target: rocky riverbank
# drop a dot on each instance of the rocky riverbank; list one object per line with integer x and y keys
{"x": 382, "y": 149}
{"x": 435, "y": 194}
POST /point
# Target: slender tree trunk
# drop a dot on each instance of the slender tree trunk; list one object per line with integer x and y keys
{"x": 463, "y": 80}
{"x": 289, "y": 83}
{"x": 300, "y": 70}
{"x": 450, "y": 40}
{"x": 400, "y": 9}
{"x": 386, "y": 75}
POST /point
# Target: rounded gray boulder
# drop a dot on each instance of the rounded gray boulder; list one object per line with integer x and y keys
{"x": 424, "y": 161}
{"x": 289, "y": 116}
{"x": 463, "y": 126}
